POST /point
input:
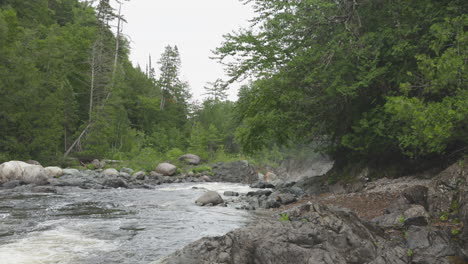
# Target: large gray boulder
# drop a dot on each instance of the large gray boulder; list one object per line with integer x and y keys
{"x": 238, "y": 172}
{"x": 315, "y": 234}
{"x": 166, "y": 169}
{"x": 209, "y": 198}
{"x": 191, "y": 159}
{"x": 22, "y": 171}
{"x": 53, "y": 171}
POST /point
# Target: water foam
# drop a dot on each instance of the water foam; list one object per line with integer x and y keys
{"x": 60, "y": 245}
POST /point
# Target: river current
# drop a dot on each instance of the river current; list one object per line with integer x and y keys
{"x": 110, "y": 226}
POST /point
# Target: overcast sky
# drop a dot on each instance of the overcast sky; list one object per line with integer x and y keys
{"x": 196, "y": 27}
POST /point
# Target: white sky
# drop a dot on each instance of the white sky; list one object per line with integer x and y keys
{"x": 195, "y": 26}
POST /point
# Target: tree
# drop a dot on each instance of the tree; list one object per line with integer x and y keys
{"x": 216, "y": 90}
{"x": 171, "y": 85}
{"x": 352, "y": 75}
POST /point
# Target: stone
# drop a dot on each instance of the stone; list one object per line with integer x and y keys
{"x": 73, "y": 172}
{"x": 209, "y": 197}
{"x": 238, "y": 172}
{"x": 140, "y": 175}
{"x": 416, "y": 195}
{"x": 205, "y": 178}
{"x": 270, "y": 176}
{"x": 53, "y": 172}
{"x": 191, "y": 159}
{"x": 24, "y": 172}
{"x": 127, "y": 170}
{"x": 166, "y": 169}
{"x": 314, "y": 234}
{"x": 115, "y": 183}
{"x": 98, "y": 164}
{"x": 259, "y": 193}
{"x": 262, "y": 185}
{"x": 12, "y": 184}
{"x": 110, "y": 172}
{"x": 286, "y": 198}
{"x": 416, "y": 215}
{"x": 230, "y": 193}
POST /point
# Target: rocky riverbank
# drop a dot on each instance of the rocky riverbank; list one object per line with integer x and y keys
{"x": 406, "y": 220}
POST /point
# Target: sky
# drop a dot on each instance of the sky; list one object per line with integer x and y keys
{"x": 196, "y": 27}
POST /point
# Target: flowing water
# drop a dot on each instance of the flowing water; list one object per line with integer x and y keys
{"x": 110, "y": 226}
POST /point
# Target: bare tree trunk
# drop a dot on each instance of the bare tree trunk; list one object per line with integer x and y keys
{"x": 77, "y": 140}
{"x": 117, "y": 43}
{"x": 91, "y": 90}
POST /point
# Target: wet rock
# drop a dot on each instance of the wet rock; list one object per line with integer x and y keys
{"x": 12, "y": 184}
{"x": 115, "y": 183}
{"x": 53, "y": 171}
{"x": 259, "y": 193}
{"x": 230, "y": 193}
{"x": 190, "y": 159}
{"x": 44, "y": 189}
{"x": 262, "y": 185}
{"x": 315, "y": 234}
{"x": 166, "y": 169}
{"x": 209, "y": 197}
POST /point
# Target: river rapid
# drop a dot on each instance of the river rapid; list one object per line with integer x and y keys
{"x": 112, "y": 225}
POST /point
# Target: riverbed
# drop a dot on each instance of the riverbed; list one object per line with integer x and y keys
{"x": 111, "y": 225}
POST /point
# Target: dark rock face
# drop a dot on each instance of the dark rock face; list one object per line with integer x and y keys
{"x": 239, "y": 172}
{"x": 316, "y": 234}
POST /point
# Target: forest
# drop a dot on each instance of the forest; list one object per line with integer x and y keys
{"x": 374, "y": 81}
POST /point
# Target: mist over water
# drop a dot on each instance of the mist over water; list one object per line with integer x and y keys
{"x": 110, "y": 226}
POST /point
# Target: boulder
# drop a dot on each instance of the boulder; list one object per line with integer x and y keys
{"x": 205, "y": 178}
{"x": 72, "y": 172}
{"x": 238, "y": 172}
{"x": 209, "y": 197}
{"x": 190, "y": 159}
{"x": 98, "y": 164}
{"x": 110, "y": 172}
{"x": 166, "y": 169}
{"x": 416, "y": 215}
{"x": 53, "y": 172}
{"x": 140, "y": 175}
{"x": 115, "y": 183}
{"x": 127, "y": 170}
{"x": 22, "y": 171}
{"x": 314, "y": 234}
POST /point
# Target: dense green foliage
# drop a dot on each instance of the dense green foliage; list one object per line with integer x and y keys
{"x": 66, "y": 83}
{"x": 368, "y": 79}
{"x": 375, "y": 79}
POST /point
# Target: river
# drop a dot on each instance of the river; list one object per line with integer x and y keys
{"x": 110, "y": 226}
